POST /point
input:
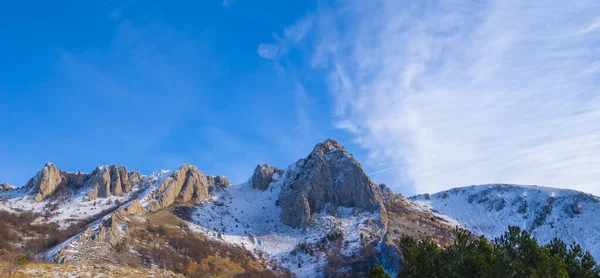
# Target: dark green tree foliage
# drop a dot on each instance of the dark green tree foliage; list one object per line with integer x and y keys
{"x": 514, "y": 254}
{"x": 378, "y": 272}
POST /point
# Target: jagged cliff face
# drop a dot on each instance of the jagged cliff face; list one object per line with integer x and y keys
{"x": 328, "y": 178}
{"x": 49, "y": 179}
{"x": 217, "y": 182}
{"x": 263, "y": 176}
{"x": 45, "y": 182}
{"x": 111, "y": 180}
{"x": 103, "y": 182}
{"x": 186, "y": 185}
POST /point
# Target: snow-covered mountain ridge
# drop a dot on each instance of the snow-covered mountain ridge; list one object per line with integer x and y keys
{"x": 545, "y": 212}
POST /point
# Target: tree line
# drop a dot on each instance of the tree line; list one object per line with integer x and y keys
{"x": 514, "y": 254}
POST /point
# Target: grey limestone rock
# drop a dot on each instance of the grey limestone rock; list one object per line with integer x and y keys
{"x": 50, "y": 178}
{"x": 263, "y": 176}
{"x": 329, "y": 177}
{"x": 187, "y": 185}
{"x": 111, "y": 180}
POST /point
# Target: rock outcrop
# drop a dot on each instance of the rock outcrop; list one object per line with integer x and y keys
{"x": 75, "y": 180}
{"x": 328, "y": 178}
{"x": 111, "y": 180}
{"x": 104, "y": 181}
{"x": 45, "y": 182}
{"x": 186, "y": 185}
{"x": 134, "y": 208}
{"x": 134, "y": 179}
{"x": 110, "y": 231}
{"x": 49, "y": 179}
{"x": 263, "y": 176}
{"x": 217, "y": 181}
{"x": 5, "y": 186}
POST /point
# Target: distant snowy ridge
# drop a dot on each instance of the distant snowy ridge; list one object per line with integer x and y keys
{"x": 545, "y": 212}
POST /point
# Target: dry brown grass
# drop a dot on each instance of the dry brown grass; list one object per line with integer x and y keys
{"x": 405, "y": 219}
{"x": 87, "y": 270}
{"x": 164, "y": 240}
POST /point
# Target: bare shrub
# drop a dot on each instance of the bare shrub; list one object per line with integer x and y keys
{"x": 184, "y": 212}
{"x": 158, "y": 229}
{"x": 13, "y": 261}
{"x": 121, "y": 246}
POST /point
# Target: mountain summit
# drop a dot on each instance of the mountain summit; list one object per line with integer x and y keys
{"x": 328, "y": 178}
{"x": 6, "y": 186}
{"x": 50, "y": 179}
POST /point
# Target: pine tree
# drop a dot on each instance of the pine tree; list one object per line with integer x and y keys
{"x": 514, "y": 254}
{"x": 378, "y": 272}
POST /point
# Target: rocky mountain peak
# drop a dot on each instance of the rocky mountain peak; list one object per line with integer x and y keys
{"x": 186, "y": 185}
{"x": 327, "y": 146}
{"x": 6, "y": 186}
{"x": 104, "y": 181}
{"x": 263, "y": 176}
{"x": 45, "y": 182}
{"x": 328, "y": 178}
{"x": 111, "y": 180}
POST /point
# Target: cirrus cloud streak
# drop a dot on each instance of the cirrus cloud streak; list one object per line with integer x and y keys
{"x": 452, "y": 93}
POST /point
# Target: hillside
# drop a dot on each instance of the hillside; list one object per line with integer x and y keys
{"x": 543, "y": 211}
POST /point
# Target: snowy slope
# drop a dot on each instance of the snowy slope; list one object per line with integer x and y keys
{"x": 63, "y": 211}
{"x": 248, "y": 217}
{"x": 73, "y": 208}
{"x": 143, "y": 190}
{"x": 545, "y": 212}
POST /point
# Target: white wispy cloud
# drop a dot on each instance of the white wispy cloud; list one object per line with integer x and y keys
{"x": 592, "y": 27}
{"x": 298, "y": 30}
{"x": 450, "y": 93}
{"x": 291, "y": 35}
{"x": 383, "y": 171}
{"x": 268, "y": 51}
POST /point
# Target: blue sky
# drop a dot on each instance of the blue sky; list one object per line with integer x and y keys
{"x": 152, "y": 86}
{"x": 428, "y": 95}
